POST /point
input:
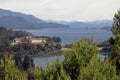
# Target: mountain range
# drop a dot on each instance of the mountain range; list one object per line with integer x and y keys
{"x": 16, "y": 20}
{"x": 87, "y": 24}
{"x": 97, "y": 24}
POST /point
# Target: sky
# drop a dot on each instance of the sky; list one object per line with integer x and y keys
{"x": 68, "y": 10}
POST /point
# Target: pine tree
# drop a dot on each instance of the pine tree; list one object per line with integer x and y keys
{"x": 79, "y": 57}
{"x": 27, "y": 62}
{"x": 18, "y": 61}
{"x": 8, "y": 70}
{"x": 99, "y": 70}
{"x": 115, "y": 55}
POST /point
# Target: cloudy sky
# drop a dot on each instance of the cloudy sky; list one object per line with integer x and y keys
{"x": 64, "y": 9}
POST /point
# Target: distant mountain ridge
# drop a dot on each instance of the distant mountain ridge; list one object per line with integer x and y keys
{"x": 16, "y": 20}
{"x": 80, "y": 24}
{"x": 97, "y": 24}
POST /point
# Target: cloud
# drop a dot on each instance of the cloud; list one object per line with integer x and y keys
{"x": 64, "y": 9}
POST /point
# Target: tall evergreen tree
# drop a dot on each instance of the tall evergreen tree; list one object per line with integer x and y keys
{"x": 27, "y": 62}
{"x": 115, "y": 55}
{"x": 8, "y": 70}
{"x": 18, "y": 61}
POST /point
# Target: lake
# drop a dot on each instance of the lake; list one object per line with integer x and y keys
{"x": 43, "y": 61}
{"x": 69, "y": 35}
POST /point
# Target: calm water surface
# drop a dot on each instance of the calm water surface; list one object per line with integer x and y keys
{"x": 69, "y": 35}
{"x": 43, "y": 61}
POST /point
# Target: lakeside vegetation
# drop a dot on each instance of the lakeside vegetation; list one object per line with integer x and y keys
{"x": 51, "y": 47}
{"x": 80, "y": 63}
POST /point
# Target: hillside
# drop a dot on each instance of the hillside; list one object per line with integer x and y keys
{"x": 88, "y": 24}
{"x": 97, "y": 24}
{"x": 15, "y": 20}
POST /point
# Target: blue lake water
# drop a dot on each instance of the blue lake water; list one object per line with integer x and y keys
{"x": 43, "y": 61}
{"x": 69, "y": 35}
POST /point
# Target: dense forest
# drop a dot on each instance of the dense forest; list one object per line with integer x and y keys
{"x": 81, "y": 62}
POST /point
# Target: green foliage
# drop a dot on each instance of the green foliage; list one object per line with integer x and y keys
{"x": 53, "y": 72}
{"x": 82, "y": 63}
{"x": 115, "y": 54}
{"x": 116, "y": 24}
{"x": 2, "y": 69}
{"x": 30, "y": 73}
{"x": 37, "y": 72}
{"x": 116, "y": 32}
{"x": 79, "y": 57}
{"x": 98, "y": 70}
{"x": 9, "y": 70}
{"x": 116, "y": 46}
